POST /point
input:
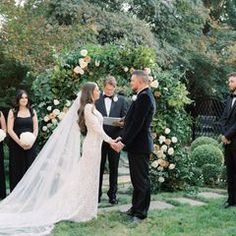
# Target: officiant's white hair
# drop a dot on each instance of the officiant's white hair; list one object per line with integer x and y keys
{"x": 142, "y": 75}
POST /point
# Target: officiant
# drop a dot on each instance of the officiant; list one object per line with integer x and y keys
{"x": 111, "y": 104}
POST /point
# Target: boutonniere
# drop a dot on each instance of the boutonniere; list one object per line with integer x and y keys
{"x": 134, "y": 97}
{"x": 115, "y": 98}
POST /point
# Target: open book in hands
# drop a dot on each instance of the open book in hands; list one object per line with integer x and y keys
{"x": 113, "y": 121}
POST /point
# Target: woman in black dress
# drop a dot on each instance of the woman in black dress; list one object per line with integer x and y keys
{"x": 2, "y": 171}
{"x": 22, "y": 118}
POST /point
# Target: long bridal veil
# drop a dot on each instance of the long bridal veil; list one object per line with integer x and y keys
{"x": 47, "y": 193}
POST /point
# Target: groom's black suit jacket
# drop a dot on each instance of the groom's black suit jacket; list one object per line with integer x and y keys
{"x": 119, "y": 108}
{"x": 228, "y": 121}
{"x": 137, "y": 136}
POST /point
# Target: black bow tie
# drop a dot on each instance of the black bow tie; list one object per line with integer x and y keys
{"x": 105, "y": 96}
{"x": 232, "y": 95}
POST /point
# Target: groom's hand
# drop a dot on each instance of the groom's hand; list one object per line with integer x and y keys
{"x": 117, "y": 146}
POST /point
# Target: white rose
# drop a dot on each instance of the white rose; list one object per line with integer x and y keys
{"x": 171, "y": 151}
{"x": 97, "y": 63}
{"x": 27, "y": 138}
{"x": 171, "y": 166}
{"x": 162, "y": 139}
{"x": 49, "y": 125}
{"x": 161, "y": 179}
{"x": 115, "y": 98}
{"x": 44, "y": 128}
{"x": 148, "y": 70}
{"x": 174, "y": 140}
{"x": 2, "y": 135}
{"x": 54, "y": 121}
{"x": 56, "y": 102}
{"x": 61, "y": 115}
{"x": 134, "y": 97}
{"x": 160, "y": 168}
{"x": 155, "y": 164}
{"x": 126, "y": 69}
{"x": 160, "y": 154}
{"x": 167, "y": 130}
{"x": 84, "y": 52}
{"x": 56, "y": 112}
{"x": 46, "y": 118}
{"x": 68, "y": 103}
{"x": 164, "y": 148}
{"x": 49, "y": 108}
{"x": 154, "y": 84}
{"x": 78, "y": 70}
{"x": 82, "y": 63}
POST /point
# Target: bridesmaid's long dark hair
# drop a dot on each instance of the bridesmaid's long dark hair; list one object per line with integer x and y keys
{"x": 86, "y": 97}
{"x": 16, "y": 104}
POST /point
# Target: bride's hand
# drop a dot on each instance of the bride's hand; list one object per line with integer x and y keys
{"x": 118, "y": 139}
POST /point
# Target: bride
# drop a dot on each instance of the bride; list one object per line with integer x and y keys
{"x": 61, "y": 184}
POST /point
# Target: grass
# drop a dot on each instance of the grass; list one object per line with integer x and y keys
{"x": 183, "y": 220}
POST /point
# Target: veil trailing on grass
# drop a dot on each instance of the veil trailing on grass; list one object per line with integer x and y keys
{"x": 47, "y": 193}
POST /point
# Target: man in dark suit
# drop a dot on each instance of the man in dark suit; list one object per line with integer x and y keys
{"x": 112, "y": 105}
{"x": 228, "y": 123}
{"x": 138, "y": 142}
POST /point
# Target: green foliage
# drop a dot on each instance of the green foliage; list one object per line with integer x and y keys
{"x": 203, "y": 140}
{"x": 211, "y": 173}
{"x": 207, "y": 154}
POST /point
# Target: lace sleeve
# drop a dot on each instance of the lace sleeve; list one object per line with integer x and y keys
{"x": 92, "y": 121}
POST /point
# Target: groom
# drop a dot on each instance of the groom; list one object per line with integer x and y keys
{"x": 137, "y": 140}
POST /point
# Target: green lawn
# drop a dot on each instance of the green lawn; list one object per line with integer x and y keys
{"x": 184, "y": 220}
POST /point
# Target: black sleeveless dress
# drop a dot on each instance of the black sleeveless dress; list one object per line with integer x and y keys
{"x": 2, "y": 171}
{"x": 20, "y": 159}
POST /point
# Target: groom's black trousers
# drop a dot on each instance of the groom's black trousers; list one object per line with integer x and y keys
{"x": 139, "y": 172}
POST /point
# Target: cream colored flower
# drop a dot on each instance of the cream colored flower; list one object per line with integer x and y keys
{"x": 82, "y": 63}
{"x": 49, "y": 108}
{"x": 46, "y": 118}
{"x": 126, "y": 69}
{"x": 155, "y": 164}
{"x": 97, "y": 63}
{"x": 164, "y": 148}
{"x": 167, "y": 130}
{"x": 56, "y": 112}
{"x": 84, "y": 52}
{"x": 160, "y": 168}
{"x": 52, "y": 116}
{"x": 160, "y": 153}
{"x": 174, "y": 140}
{"x": 167, "y": 141}
{"x": 49, "y": 125}
{"x": 154, "y": 84}
{"x": 68, "y": 103}
{"x": 162, "y": 139}
{"x": 78, "y": 70}
{"x": 170, "y": 151}
{"x": 44, "y": 128}
{"x": 147, "y": 70}
{"x": 54, "y": 121}
{"x": 171, "y": 166}
{"x": 61, "y": 115}
{"x": 56, "y": 102}
{"x": 161, "y": 179}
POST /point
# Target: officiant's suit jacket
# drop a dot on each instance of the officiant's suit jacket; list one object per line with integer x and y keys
{"x": 137, "y": 128}
{"x": 228, "y": 122}
{"x": 119, "y": 108}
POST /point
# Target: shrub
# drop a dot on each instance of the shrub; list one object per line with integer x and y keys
{"x": 203, "y": 140}
{"x": 211, "y": 173}
{"x": 207, "y": 154}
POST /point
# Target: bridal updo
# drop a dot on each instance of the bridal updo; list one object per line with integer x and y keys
{"x": 86, "y": 97}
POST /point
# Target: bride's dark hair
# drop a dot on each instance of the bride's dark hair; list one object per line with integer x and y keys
{"x": 86, "y": 97}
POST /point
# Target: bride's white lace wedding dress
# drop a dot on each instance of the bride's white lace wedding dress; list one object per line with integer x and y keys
{"x": 61, "y": 184}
